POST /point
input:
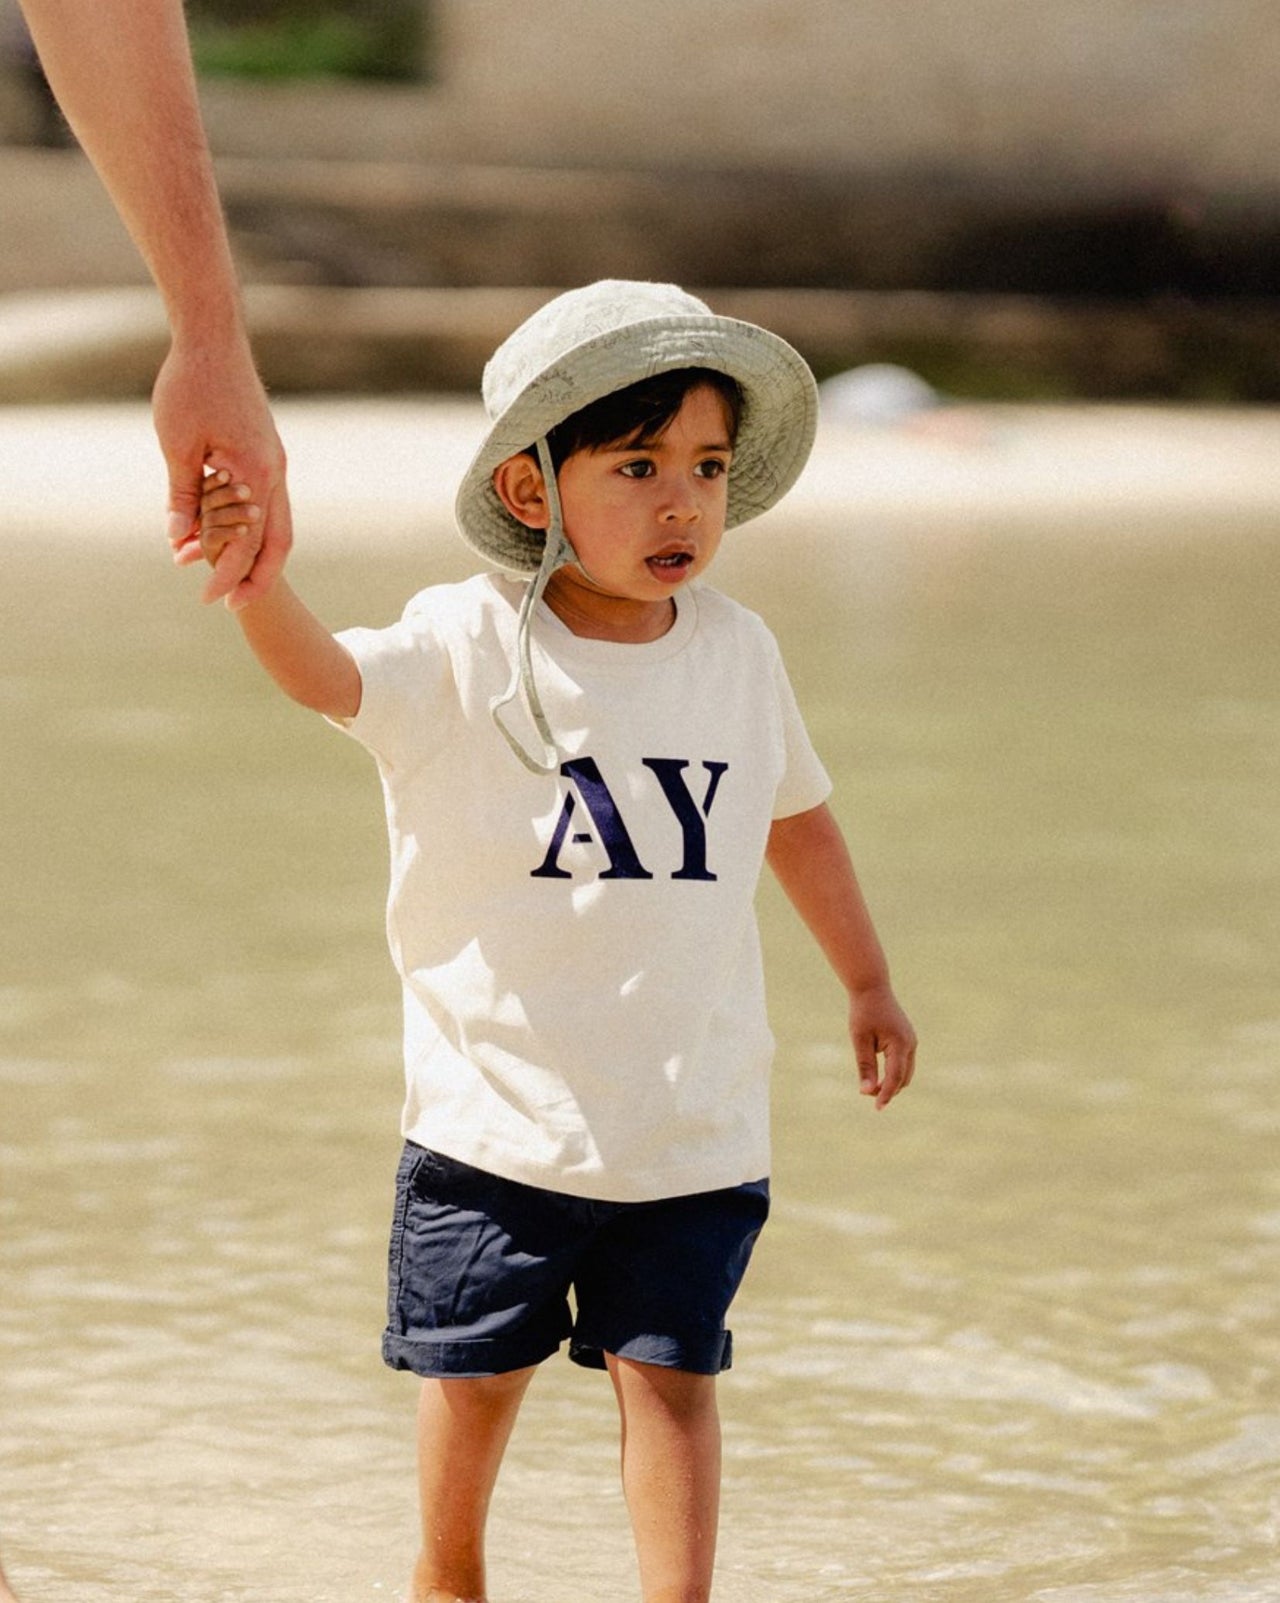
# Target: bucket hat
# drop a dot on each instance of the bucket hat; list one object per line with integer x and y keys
{"x": 580, "y": 347}
{"x": 589, "y": 342}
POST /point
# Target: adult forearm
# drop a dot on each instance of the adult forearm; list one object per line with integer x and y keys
{"x": 807, "y": 853}
{"x": 121, "y": 70}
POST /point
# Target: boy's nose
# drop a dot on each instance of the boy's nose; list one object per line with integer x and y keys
{"x": 682, "y": 506}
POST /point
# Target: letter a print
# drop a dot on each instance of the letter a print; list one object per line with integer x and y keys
{"x": 624, "y": 861}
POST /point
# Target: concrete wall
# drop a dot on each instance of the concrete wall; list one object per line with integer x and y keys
{"x": 1091, "y": 92}
{"x": 1093, "y": 96}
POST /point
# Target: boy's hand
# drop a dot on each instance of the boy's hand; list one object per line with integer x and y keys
{"x": 226, "y": 513}
{"x": 878, "y": 1027}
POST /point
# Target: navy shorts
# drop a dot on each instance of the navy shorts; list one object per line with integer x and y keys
{"x": 481, "y": 1271}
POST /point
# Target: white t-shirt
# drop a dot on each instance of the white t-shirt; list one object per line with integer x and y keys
{"x": 583, "y": 997}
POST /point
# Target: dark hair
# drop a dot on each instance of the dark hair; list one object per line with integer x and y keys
{"x": 640, "y": 414}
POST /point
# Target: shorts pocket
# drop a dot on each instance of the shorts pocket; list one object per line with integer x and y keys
{"x": 412, "y": 1162}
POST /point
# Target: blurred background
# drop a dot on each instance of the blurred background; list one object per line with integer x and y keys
{"x": 1066, "y": 198}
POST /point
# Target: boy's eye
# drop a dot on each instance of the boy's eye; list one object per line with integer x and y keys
{"x": 644, "y": 468}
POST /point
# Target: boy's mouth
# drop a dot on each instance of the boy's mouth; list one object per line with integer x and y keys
{"x": 670, "y": 562}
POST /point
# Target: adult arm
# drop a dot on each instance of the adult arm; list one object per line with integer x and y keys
{"x": 122, "y": 72}
{"x": 808, "y": 854}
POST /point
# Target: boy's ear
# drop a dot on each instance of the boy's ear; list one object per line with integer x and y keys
{"x": 521, "y": 490}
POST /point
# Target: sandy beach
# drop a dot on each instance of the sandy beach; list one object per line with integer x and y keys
{"x": 95, "y": 471}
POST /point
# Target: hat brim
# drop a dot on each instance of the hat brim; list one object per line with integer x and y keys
{"x": 775, "y": 434}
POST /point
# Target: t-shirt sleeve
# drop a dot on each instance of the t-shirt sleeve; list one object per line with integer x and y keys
{"x": 805, "y": 783}
{"x": 404, "y": 670}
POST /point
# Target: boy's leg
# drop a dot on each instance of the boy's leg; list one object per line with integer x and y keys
{"x": 671, "y": 1476}
{"x": 463, "y": 1429}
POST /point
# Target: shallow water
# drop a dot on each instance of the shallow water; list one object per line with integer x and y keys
{"x": 1014, "y": 1340}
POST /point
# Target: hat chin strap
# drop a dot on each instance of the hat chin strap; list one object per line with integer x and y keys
{"x": 556, "y": 553}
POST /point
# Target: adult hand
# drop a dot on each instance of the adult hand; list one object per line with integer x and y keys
{"x": 210, "y": 410}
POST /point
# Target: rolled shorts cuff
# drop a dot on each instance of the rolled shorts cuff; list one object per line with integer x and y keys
{"x": 463, "y": 1360}
{"x": 709, "y": 1355}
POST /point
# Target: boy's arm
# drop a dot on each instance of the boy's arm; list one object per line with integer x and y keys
{"x": 300, "y": 654}
{"x": 283, "y": 633}
{"x": 808, "y": 854}
{"x": 121, "y": 70}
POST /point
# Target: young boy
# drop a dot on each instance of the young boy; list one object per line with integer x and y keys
{"x": 586, "y": 1049}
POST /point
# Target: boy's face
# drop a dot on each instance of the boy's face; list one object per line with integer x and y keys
{"x": 644, "y": 520}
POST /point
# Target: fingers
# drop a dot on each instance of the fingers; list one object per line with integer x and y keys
{"x": 894, "y": 1040}
{"x": 226, "y": 534}
{"x": 246, "y": 553}
{"x": 868, "y": 1062}
{"x": 183, "y": 523}
{"x": 231, "y": 558}
{"x": 222, "y": 497}
{"x": 899, "y": 1070}
{"x": 210, "y": 411}
{"x": 249, "y": 563}
{"x": 276, "y": 541}
{"x": 220, "y": 505}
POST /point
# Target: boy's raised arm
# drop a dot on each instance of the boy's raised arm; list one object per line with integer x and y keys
{"x": 283, "y": 633}
{"x": 808, "y": 854}
{"x": 300, "y": 654}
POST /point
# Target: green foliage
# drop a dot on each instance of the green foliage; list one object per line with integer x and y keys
{"x": 295, "y": 39}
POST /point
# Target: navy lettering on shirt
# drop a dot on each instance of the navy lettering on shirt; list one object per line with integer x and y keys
{"x": 624, "y": 861}
{"x": 690, "y": 815}
{"x": 590, "y": 788}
